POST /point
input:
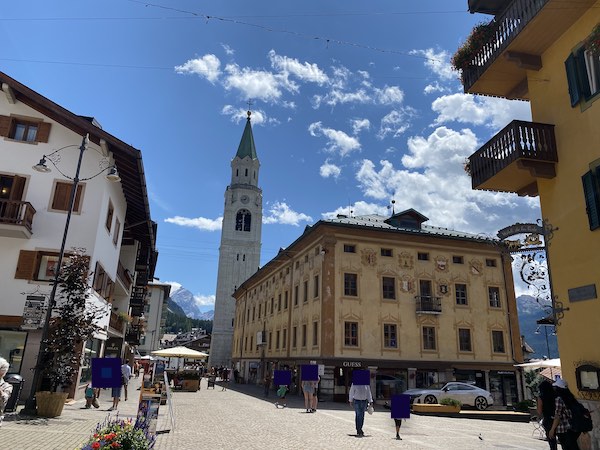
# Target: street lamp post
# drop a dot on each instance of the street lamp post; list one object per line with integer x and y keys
{"x": 30, "y": 406}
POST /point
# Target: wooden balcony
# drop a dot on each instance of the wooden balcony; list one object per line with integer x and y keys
{"x": 16, "y": 218}
{"x": 116, "y": 323}
{"x": 426, "y": 304}
{"x": 124, "y": 276}
{"x": 525, "y": 29}
{"x": 515, "y": 158}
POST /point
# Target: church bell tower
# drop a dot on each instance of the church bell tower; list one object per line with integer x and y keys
{"x": 239, "y": 252}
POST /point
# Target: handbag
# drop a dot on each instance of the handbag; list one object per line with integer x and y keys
{"x": 370, "y": 409}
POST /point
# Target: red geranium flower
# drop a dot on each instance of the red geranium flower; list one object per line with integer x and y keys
{"x": 96, "y": 445}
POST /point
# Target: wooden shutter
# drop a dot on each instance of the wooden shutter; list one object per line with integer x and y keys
{"x": 61, "y": 196}
{"x": 573, "y": 79}
{"x": 592, "y": 199}
{"x": 77, "y": 203}
{"x": 5, "y": 123}
{"x": 43, "y": 132}
{"x": 18, "y": 186}
{"x": 26, "y": 265}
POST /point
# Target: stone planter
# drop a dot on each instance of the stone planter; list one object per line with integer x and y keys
{"x": 190, "y": 385}
{"x": 435, "y": 408}
{"x": 50, "y": 404}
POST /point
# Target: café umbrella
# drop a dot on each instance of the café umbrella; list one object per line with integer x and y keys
{"x": 180, "y": 352}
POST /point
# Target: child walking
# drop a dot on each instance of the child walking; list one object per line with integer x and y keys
{"x": 281, "y": 393}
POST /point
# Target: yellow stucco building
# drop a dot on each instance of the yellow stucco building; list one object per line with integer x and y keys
{"x": 412, "y": 303}
{"x": 547, "y": 52}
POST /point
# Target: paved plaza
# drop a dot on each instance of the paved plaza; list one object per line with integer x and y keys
{"x": 240, "y": 418}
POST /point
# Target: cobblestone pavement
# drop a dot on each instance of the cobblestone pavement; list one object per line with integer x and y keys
{"x": 68, "y": 431}
{"x": 240, "y": 418}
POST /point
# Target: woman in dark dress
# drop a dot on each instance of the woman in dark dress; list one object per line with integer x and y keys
{"x": 545, "y": 409}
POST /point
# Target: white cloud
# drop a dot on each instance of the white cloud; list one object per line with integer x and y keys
{"x": 435, "y": 87}
{"x": 228, "y": 49}
{"x": 396, "y": 122}
{"x": 200, "y": 223}
{"x": 303, "y": 71}
{"x": 438, "y": 63}
{"x": 338, "y": 141}
{"x": 256, "y": 84}
{"x": 431, "y": 179}
{"x": 466, "y": 108}
{"x": 360, "y": 124}
{"x": 389, "y": 95}
{"x": 204, "y": 300}
{"x": 175, "y": 286}
{"x": 259, "y": 117}
{"x": 207, "y": 66}
{"x": 335, "y": 97}
{"x": 281, "y": 213}
{"x": 329, "y": 170}
{"x": 443, "y": 150}
{"x": 360, "y": 208}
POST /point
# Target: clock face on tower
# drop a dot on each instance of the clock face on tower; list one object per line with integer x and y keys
{"x": 245, "y": 199}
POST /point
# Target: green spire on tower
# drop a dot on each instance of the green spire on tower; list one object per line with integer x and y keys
{"x": 246, "y": 147}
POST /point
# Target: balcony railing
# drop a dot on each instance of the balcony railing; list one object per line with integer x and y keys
{"x": 428, "y": 304}
{"x": 123, "y": 275}
{"x": 17, "y": 213}
{"x": 508, "y": 26}
{"x": 534, "y": 142}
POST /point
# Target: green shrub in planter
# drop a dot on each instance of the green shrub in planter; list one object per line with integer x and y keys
{"x": 450, "y": 402}
{"x": 523, "y": 406}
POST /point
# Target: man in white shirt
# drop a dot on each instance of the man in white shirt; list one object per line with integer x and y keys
{"x": 360, "y": 396}
{"x": 125, "y": 375}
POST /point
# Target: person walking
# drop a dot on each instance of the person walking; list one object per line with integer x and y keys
{"x": 545, "y": 409}
{"x": 561, "y": 426}
{"x": 360, "y": 397}
{"x": 308, "y": 387}
{"x": 5, "y": 387}
{"x": 125, "y": 375}
{"x": 267, "y": 383}
{"x": 315, "y": 398}
{"x": 281, "y": 393}
{"x": 116, "y": 396}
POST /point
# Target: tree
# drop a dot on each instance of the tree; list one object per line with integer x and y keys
{"x": 73, "y": 322}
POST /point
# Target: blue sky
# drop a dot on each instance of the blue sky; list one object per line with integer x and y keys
{"x": 354, "y": 104}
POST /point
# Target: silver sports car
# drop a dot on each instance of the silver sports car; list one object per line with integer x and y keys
{"x": 467, "y": 394}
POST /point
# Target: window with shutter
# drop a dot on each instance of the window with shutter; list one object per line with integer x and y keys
{"x": 62, "y": 196}
{"x": 24, "y": 129}
{"x": 583, "y": 75}
{"x": 109, "y": 216}
{"x": 591, "y": 192}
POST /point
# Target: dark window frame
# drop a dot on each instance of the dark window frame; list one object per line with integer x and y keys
{"x": 465, "y": 341}
{"x": 390, "y": 335}
{"x": 350, "y": 284}
{"x": 351, "y": 334}
{"x": 388, "y": 288}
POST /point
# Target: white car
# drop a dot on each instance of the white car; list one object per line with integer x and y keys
{"x": 467, "y": 394}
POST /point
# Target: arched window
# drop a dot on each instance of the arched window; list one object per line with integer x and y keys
{"x": 246, "y": 173}
{"x": 237, "y": 172}
{"x": 243, "y": 220}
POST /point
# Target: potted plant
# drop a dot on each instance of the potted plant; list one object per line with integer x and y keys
{"x": 73, "y": 322}
{"x": 452, "y": 404}
{"x": 122, "y": 434}
{"x": 124, "y": 317}
{"x": 480, "y": 35}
